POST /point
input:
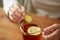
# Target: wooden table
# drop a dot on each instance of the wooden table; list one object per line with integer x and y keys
{"x": 10, "y": 30}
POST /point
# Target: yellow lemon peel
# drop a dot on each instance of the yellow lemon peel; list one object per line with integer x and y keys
{"x": 28, "y": 18}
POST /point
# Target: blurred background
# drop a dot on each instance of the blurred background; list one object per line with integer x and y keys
{"x": 26, "y": 4}
{"x": 1, "y": 3}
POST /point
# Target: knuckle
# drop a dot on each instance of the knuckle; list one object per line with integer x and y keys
{"x": 14, "y": 12}
{"x": 23, "y": 8}
{"x": 56, "y": 24}
{"x": 11, "y": 15}
{"x": 14, "y": 20}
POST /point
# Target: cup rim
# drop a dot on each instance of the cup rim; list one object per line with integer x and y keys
{"x": 33, "y": 24}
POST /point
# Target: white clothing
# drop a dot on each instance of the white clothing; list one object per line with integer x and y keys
{"x": 50, "y": 8}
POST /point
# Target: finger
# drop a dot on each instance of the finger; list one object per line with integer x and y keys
{"x": 13, "y": 19}
{"x": 14, "y": 12}
{"x": 19, "y": 9}
{"x": 22, "y": 11}
{"x": 12, "y": 16}
{"x": 55, "y": 34}
{"x": 21, "y": 19}
{"x": 11, "y": 8}
{"x": 17, "y": 15}
{"x": 11, "y": 11}
{"x": 52, "y": 36}
{"x": 16, "y": 6}
{"x": 50, "y": 29}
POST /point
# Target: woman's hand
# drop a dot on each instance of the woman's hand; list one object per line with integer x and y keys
{"x": 16, "y": 12}
{"x": 52, "y": 32}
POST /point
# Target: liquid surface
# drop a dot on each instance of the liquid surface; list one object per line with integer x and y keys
{"x": 33, "y": 30}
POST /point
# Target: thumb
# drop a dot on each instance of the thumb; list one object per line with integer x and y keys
{"x": 50, "y": 29}
{"x": 52, "y": 36}
{"x": 51, "y": 33}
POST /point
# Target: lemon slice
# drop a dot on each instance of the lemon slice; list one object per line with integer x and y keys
{"x": 33, "y": 30}
{"x": 28, "y": 18}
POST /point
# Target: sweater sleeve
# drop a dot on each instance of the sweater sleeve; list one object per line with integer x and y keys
{"x": 7, "y": 3}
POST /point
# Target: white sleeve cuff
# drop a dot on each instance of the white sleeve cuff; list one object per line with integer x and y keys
{"x": 7, "y": 4}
